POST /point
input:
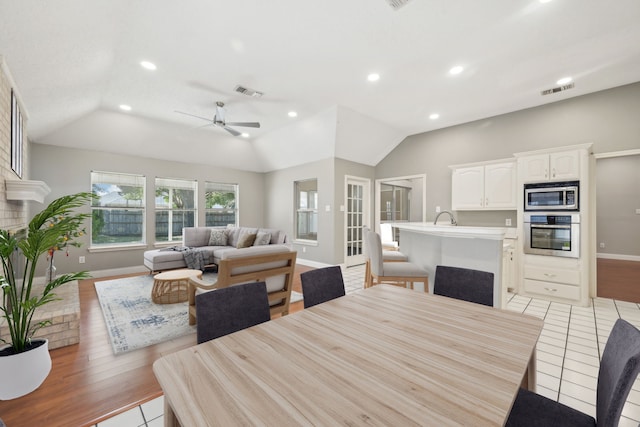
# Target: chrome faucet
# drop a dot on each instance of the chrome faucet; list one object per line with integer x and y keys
{"x": 453, "y": 220}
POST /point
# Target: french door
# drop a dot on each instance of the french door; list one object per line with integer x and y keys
{"x": 357, "y": 214}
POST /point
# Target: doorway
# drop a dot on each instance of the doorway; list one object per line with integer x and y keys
{"x": 357, "y": 214}
{"x": 401, "y": 199}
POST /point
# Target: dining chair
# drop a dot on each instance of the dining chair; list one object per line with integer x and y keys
{"x": 387, "y": 256}
{"x": 227, "y": 310}
{"x": 396, "y": 273}
{"x": 464, "y": 284}
{"x": 321, "y": 285}
{"x": 618, "y": 371}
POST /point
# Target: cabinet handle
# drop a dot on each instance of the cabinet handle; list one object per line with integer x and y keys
{"x": 486, "y": 201}
{"x": 553, "y": 172}
{"x": 549, "y": 274}
{"x": 551, "y": 289}
{"x": 546, "y": 173}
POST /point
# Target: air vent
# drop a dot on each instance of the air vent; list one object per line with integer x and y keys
{"x": 249, "y": 92}
{"x": 557, "y": 89}
{"x": 397, "y": 4}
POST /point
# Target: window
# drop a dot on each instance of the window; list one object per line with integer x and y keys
{"x": 221, "y": 207}
{"x": 175, "y": 208}
{"x": 307, "y": 209}
{"x": 118, "y": 212}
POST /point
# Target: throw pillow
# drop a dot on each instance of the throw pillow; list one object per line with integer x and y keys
{"x": 218, "y": 237}
{"x": 246, "y": 240}
{"x": 262, "y": 239}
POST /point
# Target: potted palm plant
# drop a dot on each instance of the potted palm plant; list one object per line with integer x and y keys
{"x": 24, "y": 361}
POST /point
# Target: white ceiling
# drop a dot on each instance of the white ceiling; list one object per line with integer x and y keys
{"x": 75, "y": 61}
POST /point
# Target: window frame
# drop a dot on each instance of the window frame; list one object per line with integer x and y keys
{"x": 111, "y": 179}
{"x": 210, "y": 186}
{"x": 299, "y": 187}
{"x": 174, "y": 184}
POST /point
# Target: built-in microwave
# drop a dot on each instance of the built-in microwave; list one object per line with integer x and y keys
{"x": 552, "y": 196}
{"x": 552, "y": 235}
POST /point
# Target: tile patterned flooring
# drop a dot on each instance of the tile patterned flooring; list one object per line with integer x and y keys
{"x": 568, "y": 354}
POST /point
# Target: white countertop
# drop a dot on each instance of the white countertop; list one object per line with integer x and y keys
{"x": 459, "y": 231}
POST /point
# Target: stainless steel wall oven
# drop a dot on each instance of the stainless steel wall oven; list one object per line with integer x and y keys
{"x": 552, "y": 234}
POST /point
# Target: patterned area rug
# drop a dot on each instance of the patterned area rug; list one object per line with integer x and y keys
{"x": 134, "y": 321}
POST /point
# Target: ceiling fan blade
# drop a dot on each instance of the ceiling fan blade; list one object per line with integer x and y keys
{"x": 245, "y": 124}
{"x": 231, "y": 131}
{"x": 193, "y": 115}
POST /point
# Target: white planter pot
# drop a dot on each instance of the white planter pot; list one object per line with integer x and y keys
{"x": 22, "y": 373}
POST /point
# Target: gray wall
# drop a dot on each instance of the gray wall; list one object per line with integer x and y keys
{"x": 617, "y": 198}
{"x": 279, "y": 206}
{"x": 67, "y": 171}
{"x": 608, "y": 119}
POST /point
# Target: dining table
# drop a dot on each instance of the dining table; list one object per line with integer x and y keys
{"x": 384, "y": 355}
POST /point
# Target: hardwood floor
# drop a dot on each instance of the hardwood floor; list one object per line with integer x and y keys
{"x": 88, "y": 383}
{"x": 619, "y": 279}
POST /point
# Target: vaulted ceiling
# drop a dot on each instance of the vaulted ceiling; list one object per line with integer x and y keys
{"x": 74, "y": 62}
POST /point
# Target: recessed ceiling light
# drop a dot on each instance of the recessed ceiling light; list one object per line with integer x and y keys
{"x": 434, "y": 116}
{"x": 456, "y": 70}
{"x": 292, "y": 114}
{"x": 148, "y": 65}
{"x": 373, "y": 77}
{"x": 244, "y": 135}
{"x": 564, "y": 80}
{"x": 125, "y": 107}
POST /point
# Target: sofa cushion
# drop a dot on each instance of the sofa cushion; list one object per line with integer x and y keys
{"x": 262, "y": 238}
{"x": 218, "y": 237}
{"x": 246, "y": 240}
{"x": 277, "y": 237}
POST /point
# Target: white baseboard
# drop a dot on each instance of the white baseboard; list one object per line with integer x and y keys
{"x": 618, "y": 257}
{"x": 310, "y": 263}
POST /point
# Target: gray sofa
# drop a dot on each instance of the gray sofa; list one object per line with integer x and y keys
{"x": 210, "y": 246}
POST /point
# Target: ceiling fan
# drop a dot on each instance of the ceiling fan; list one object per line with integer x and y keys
{"x": 219, "y": 120}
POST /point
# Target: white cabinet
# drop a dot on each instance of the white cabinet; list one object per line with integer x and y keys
{"x": 484, "y": 187}
{"x": 558, "y": 166}
{"x": 509, "y": 267}
{"x": 554, "y": 278}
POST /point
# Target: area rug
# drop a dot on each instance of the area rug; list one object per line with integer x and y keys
{"x": 134, "y": 321}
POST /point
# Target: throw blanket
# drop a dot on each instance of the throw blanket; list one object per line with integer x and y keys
{"x": 194, "y": 257}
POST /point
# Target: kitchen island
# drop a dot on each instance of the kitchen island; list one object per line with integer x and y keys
{"x": 478, "y": 248}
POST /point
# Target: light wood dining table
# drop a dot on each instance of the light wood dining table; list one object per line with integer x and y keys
{"x": 379, "y": 356}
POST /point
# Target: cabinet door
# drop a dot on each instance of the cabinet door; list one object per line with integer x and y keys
{"x": 467, "y": 188}
{"x": 565, "y": 165}
{"x": 535, "y": 168}
{"x": 500, "y": 186}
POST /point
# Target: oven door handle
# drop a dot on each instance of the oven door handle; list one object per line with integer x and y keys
{"x": 566, "y": 227}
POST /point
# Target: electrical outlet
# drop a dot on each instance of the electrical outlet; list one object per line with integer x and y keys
{"x": 601, "y": 245}
{"x": 507, "y": 222}
{"x": 304, "y": 249}
{"x": 437, "y": 209}
{"x": 81, "y": 260}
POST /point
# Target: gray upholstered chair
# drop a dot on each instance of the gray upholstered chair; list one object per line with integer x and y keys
{"x": 618, "y": 370}
{"x": 321, "y": 285}
{"x": 387, "y": 256}
{"x": 464, "y": 284}
{"x": 396, "y": 273}
{"x": 227, "y": 310}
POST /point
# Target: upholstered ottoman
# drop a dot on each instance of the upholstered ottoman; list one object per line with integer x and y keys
{"x": 162, "y": 259}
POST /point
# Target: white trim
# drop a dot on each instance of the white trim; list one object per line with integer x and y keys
{"x": 310, "y": 263}
{"x": 366, "y": 201}
{"x": 114, "y": 248}
{"x": 624, "y": 153}
{"x": 618, "y": 257}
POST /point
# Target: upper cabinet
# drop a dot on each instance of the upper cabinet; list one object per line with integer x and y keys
{"x": 560, "y": 166}
{"x": 486, "y": 186}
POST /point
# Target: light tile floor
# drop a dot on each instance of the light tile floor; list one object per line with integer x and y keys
{"x": 568, "y": 354}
